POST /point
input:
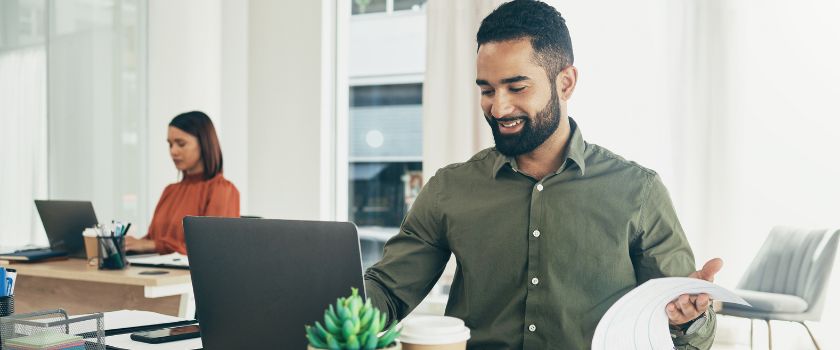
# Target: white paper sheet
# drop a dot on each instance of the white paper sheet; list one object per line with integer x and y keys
{"x": 123, "y": 341}
{"x": 638, "y": 320}
{"x": 173, "y": 259}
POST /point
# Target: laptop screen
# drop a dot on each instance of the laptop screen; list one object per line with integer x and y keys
{"x": 64, "y": 222}
{"x": 257, "y": 282}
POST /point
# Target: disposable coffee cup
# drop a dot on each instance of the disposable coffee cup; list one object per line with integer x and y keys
{"x": 434, "y": 333}
{"x": 91, "y": 248}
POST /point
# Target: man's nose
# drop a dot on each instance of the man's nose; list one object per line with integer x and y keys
{"x": 501, "y": 106}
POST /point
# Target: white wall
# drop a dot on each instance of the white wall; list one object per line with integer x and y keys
{"x": 284, "y": 105}
{"x": 234, "y": 96}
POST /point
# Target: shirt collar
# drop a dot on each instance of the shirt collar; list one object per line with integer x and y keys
{"x": 575, "y": 149}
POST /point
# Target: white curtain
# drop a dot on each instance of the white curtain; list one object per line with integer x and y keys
{"x": 453, "y": 126}
{"x": 23, "y": 145}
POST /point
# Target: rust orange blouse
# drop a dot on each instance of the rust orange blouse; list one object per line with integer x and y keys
{"x": 193, "y": 196}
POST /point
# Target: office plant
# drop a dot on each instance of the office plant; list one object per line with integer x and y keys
{"x": 353, "y": 325}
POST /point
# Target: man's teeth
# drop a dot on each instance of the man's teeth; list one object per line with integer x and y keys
{"x": 512, "y": 124}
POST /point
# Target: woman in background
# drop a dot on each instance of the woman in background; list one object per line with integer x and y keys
{"x": 202, "y": 191}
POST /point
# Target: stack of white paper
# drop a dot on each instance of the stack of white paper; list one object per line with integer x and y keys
{"x": 136, "y": 318}
{"x": 638, "y": 320}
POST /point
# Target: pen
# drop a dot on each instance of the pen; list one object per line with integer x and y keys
{"x": 126, "y": 229}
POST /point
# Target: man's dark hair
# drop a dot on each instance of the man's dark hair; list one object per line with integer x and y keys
{"x": 534, "y": 20}
{"x": 198, "y": 124}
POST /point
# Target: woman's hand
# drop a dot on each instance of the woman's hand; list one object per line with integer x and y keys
{"x": 139, "y": 245}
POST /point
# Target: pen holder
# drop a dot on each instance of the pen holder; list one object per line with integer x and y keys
{"x": 7, "y": 305}
{"x": 111, "y": 253}
{"x": 7, "y": 308}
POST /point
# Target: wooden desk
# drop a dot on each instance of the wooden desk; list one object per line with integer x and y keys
{"x": 79, "y": 289}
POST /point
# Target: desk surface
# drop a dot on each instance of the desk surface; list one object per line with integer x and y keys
{"x": 78, "y": 270}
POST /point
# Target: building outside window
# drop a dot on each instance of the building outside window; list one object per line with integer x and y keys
{"x": 361, "y": 7}
{"x": 384, "y": 127}
{"x": 385, "y": 152}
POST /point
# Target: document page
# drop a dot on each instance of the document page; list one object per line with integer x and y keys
{"x": 638, "y": 320}
{"x": 173, "y": 259}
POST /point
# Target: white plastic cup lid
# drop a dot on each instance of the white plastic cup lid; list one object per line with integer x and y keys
{"x": 433, "y": 330}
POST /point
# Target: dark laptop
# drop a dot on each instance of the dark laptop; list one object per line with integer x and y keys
{"x": 64, "y": 222}
{"x": 257, "y": 282}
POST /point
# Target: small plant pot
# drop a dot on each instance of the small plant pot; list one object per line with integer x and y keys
{"x": 396, "y": 346}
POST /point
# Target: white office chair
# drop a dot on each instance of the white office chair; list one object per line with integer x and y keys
{"x": 788, "y": 278}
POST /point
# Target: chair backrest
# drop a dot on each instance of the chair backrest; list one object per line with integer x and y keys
{"x": 794, "y": 261}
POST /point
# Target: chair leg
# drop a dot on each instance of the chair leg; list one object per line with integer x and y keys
{"x": 769, "y": 336}
{"x": 816, "y": 345}
{"x": 752, "y": 323}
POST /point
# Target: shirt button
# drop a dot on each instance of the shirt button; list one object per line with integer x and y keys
{"x": 536, "y": 233}
{"x": 539, "y": 187}
{"x": 535, "y": 281}
{"x": 532, "y": 328}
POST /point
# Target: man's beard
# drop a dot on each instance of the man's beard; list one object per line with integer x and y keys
{"x": 534, "y": 131}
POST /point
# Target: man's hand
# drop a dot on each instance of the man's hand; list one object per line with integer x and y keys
{"x": 689, "y": 306}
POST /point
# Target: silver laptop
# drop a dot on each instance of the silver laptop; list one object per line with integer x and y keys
{"x": 257, "y": 282}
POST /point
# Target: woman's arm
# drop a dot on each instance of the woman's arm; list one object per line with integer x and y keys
{"x": 139, "y": 245}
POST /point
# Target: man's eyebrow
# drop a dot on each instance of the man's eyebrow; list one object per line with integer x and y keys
{"x": 518, "y": 78}
{"x": 515, "y": 79}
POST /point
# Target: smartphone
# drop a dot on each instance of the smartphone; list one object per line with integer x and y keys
{"x": 164, "y": 335}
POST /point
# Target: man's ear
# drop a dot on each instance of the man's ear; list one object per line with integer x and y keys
{"x": 566, "y": 82}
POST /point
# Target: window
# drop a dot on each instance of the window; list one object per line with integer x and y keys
{"x": 385, "y": 152}
{"x": 413, "y": 5}
{"x": 368, "y": 6}
{"x": 384, "y": 129}
{"x": 23, "y": 116}
{"x": 97, "y": 105}
{"x": 77, "y": 132}
{"x": 361, "y": 7}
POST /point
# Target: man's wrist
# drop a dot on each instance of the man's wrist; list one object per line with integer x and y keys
{"x": 690, "y": 327}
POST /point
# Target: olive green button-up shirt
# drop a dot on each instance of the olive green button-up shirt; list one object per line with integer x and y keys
{"x": 539, "y": 262}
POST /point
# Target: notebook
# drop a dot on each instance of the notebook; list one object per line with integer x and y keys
{"x": 46, "y": 341}
{"x": 33, "y": 255}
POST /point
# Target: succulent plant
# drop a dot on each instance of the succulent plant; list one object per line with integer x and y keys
{"x": 352, "y": 325}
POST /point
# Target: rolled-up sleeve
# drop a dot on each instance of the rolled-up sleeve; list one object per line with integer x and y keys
{"x": 660, "y": 249}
